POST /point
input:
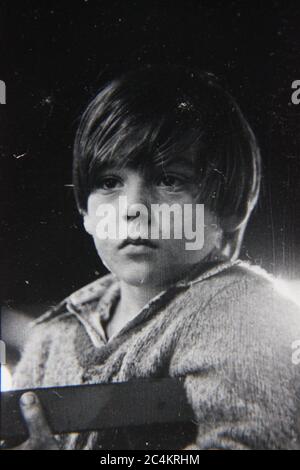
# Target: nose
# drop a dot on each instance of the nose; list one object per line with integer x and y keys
{"x": 138, "y": 199}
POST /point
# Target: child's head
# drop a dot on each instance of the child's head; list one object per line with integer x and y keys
{"x": 178, "y": 137}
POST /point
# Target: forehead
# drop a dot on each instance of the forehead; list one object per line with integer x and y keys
{"x": 185, "y": 160}
{"x": 184, "y": 165}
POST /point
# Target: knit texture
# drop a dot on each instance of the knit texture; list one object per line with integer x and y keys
{"x": 227, "y": 330}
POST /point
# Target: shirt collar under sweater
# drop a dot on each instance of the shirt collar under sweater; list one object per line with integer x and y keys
{"x": 93, "y": 319}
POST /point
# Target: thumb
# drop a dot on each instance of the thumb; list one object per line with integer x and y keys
{"x": 33, "y": 414}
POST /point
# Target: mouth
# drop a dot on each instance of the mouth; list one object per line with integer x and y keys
{"x": 142, "y": 242}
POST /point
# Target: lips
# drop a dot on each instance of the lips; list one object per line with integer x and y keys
{"x": 137, "y": 242}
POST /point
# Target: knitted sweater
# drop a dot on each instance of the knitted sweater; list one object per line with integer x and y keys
{"x": 227, "y": 330}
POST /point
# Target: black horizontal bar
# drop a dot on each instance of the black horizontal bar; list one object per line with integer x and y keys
{"x": 95, "y": 407}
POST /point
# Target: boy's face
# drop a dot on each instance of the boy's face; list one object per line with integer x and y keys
{"x": 163, "y": 258}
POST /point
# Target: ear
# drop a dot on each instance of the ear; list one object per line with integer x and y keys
{"x": 219, "y": 238}
{"x": 87, "y": 222}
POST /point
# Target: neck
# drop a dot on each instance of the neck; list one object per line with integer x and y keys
{"x": 134, "y": 298}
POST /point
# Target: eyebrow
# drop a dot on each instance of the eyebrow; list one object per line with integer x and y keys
{"x": 181, "y": 164}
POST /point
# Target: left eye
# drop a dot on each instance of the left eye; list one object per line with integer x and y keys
{"x": 170, "y": 181}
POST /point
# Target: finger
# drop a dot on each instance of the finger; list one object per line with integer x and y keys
{"x": 33, "y": 414}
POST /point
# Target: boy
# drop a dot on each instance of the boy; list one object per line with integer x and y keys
{"x": 171, "y": 136}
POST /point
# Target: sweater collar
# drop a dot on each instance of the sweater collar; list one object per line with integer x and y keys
{"x": 93, "y": 320}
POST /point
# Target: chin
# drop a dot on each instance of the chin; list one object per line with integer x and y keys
{"x": 137, "y": 275}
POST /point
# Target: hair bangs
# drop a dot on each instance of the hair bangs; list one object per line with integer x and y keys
{"x": 146, "y": 143}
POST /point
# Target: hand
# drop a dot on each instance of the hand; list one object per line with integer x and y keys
{"x": 40, "y": 435}
{"x": 192, "y": 446}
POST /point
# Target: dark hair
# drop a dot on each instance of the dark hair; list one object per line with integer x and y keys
{"x": 152, "y": 116}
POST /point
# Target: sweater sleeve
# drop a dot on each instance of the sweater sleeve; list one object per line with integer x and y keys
{"x": 29, "y": 372}
{"x": 236, "y": 355}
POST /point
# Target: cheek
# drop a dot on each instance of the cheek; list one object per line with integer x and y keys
{"x": 107, "y": 252}
{"x": 102, "y": 219}
{"x": 104, "y": 247}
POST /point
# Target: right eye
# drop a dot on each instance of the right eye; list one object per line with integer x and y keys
{"x": 108, "y": 183}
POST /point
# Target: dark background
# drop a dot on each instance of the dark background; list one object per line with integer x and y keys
{"x": 54, "y": 56}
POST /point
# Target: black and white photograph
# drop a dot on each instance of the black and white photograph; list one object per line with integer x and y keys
{"x": 150, "y": 229}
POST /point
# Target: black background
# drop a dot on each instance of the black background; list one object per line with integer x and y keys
{"x": 54, "y": 56}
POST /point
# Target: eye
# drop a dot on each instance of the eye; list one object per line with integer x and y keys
{"x": 108, "y": 183}
{"x": 170, "y": 181}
